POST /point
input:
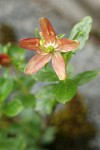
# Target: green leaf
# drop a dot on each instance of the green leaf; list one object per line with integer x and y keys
{"x": 37, "y": 35}
{"x": 60, "y": 36}
{"x": 13, "y": 108}
{"x": 46, "y": 92}
{"x": 17, "y": 54}
{"x": 49, "y": 135}
{"x": 6, "y": 86}
{"x": 4, "y": 48}
{"x": 67, "y": 56}
{"x": 16, "y": 143}
{"x": 21, "y": 66}
{"x": 65, "y": 90}
{"x": 28, "y": 83}
{"x": 85, "y": 77}
{"x": 45, "y": 106}
{"x": 28, "y": 101}
{"x": 46, "y": 99}
{"x": 46, "y": 74}
{"x": 81, "y": 31}
{"x": 70, "y": 70}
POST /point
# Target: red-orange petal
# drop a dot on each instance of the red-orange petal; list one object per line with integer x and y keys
{"x": 36, "y": 63}
{"x": 30, "y": 43}
{"x": 68, "y": 45}
{"x": 59, "y": 65}
{"x": 47, "y": 30}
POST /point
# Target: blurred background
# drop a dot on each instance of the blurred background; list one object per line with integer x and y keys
{"x": 22, "y": 16}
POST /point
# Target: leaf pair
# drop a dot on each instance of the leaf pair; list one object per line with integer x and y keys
{"x": 64, "y": 91}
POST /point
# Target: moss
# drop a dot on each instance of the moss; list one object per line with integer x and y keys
{"x": 74, "y": 129}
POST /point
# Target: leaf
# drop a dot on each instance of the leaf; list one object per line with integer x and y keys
{"x": 17, "y": 54}
{"x": 13, "y": 108}
{"x": 6, "y": 86}
{"x": 46, "y": 99}
{"x": 65, "y": 90}
{"x": 16, "y": 143}
{"x": 60, "y": 36}
{"x": 21, "y": 66}
{"x": 46, "y": 92}
{"x": 28, "y": 83}
{"x": 85, "y": 77}
{"x": 81, "y": 31}
{"x": 45, "y": 106}
{"x": 67, "y": 56}
{"x": 4, "y": 48}
{"x": 70, "y": 70}
{"x": 37, "y": 35}
{"x": 28, "y": 101}
{"x": 49, "y": 135}
{"x": 46, "y": 74}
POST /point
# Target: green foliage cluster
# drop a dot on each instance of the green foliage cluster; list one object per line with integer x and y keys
{"x": 21, "y": 125}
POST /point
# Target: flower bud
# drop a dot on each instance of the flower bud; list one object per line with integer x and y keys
{"x": 5, "y": 60}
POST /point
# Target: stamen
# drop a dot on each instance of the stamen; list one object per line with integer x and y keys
{"x": 52, "y": 33}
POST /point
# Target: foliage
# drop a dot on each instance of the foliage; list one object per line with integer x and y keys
{"x": 24, "y": 132}
{"x": 23, "y": 113}
{"x": 18, "y": 117}
{"x": 81, "y": 31}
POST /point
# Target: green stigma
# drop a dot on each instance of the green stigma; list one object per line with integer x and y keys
{"x": 50, "y": 48}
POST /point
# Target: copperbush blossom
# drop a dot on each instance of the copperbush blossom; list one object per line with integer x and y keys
{"x": 48, "y": 47}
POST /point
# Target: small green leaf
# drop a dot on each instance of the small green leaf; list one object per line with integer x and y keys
{"x": 70, "y": 70}
{"x": 65, "y": 90}
{"x": 46, "y": 74}
{"x": 85, "y": 77}
{"x": 21, "y": 66}
{"x": 81, "y": 31}
{"x": 60, "y": 36}
{"x": 46, "y": 92}
{"x": 67, "y": 56}
{"x": 49, "y": 135}
{"x": 46, "y": 99}
{"x": 4, "y": 48}
{"x": 17, "y": 54}
{"x": 6, "y": 86}
{"x": 37, "y": 35}
{"x": 28, "y": 83}
{"x": 13, "y": 108}
{"x": 28, "y": 101}
{"x": 45, "y": 106}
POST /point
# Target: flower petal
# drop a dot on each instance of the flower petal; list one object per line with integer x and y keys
{"x": 59, "y": 65}
{"x": 30, "y": 43}
{"x": 47, "y": 30}
{"x": 68, "y": 45}
{"x": 36, "y": 63}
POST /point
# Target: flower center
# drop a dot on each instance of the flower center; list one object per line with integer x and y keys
{"x": 50, "y": 48}
{"x": 46, "y": 47}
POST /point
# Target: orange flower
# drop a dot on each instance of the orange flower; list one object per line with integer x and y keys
{"x": 5, "y": 60}
{"x": 48, "y": 47}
